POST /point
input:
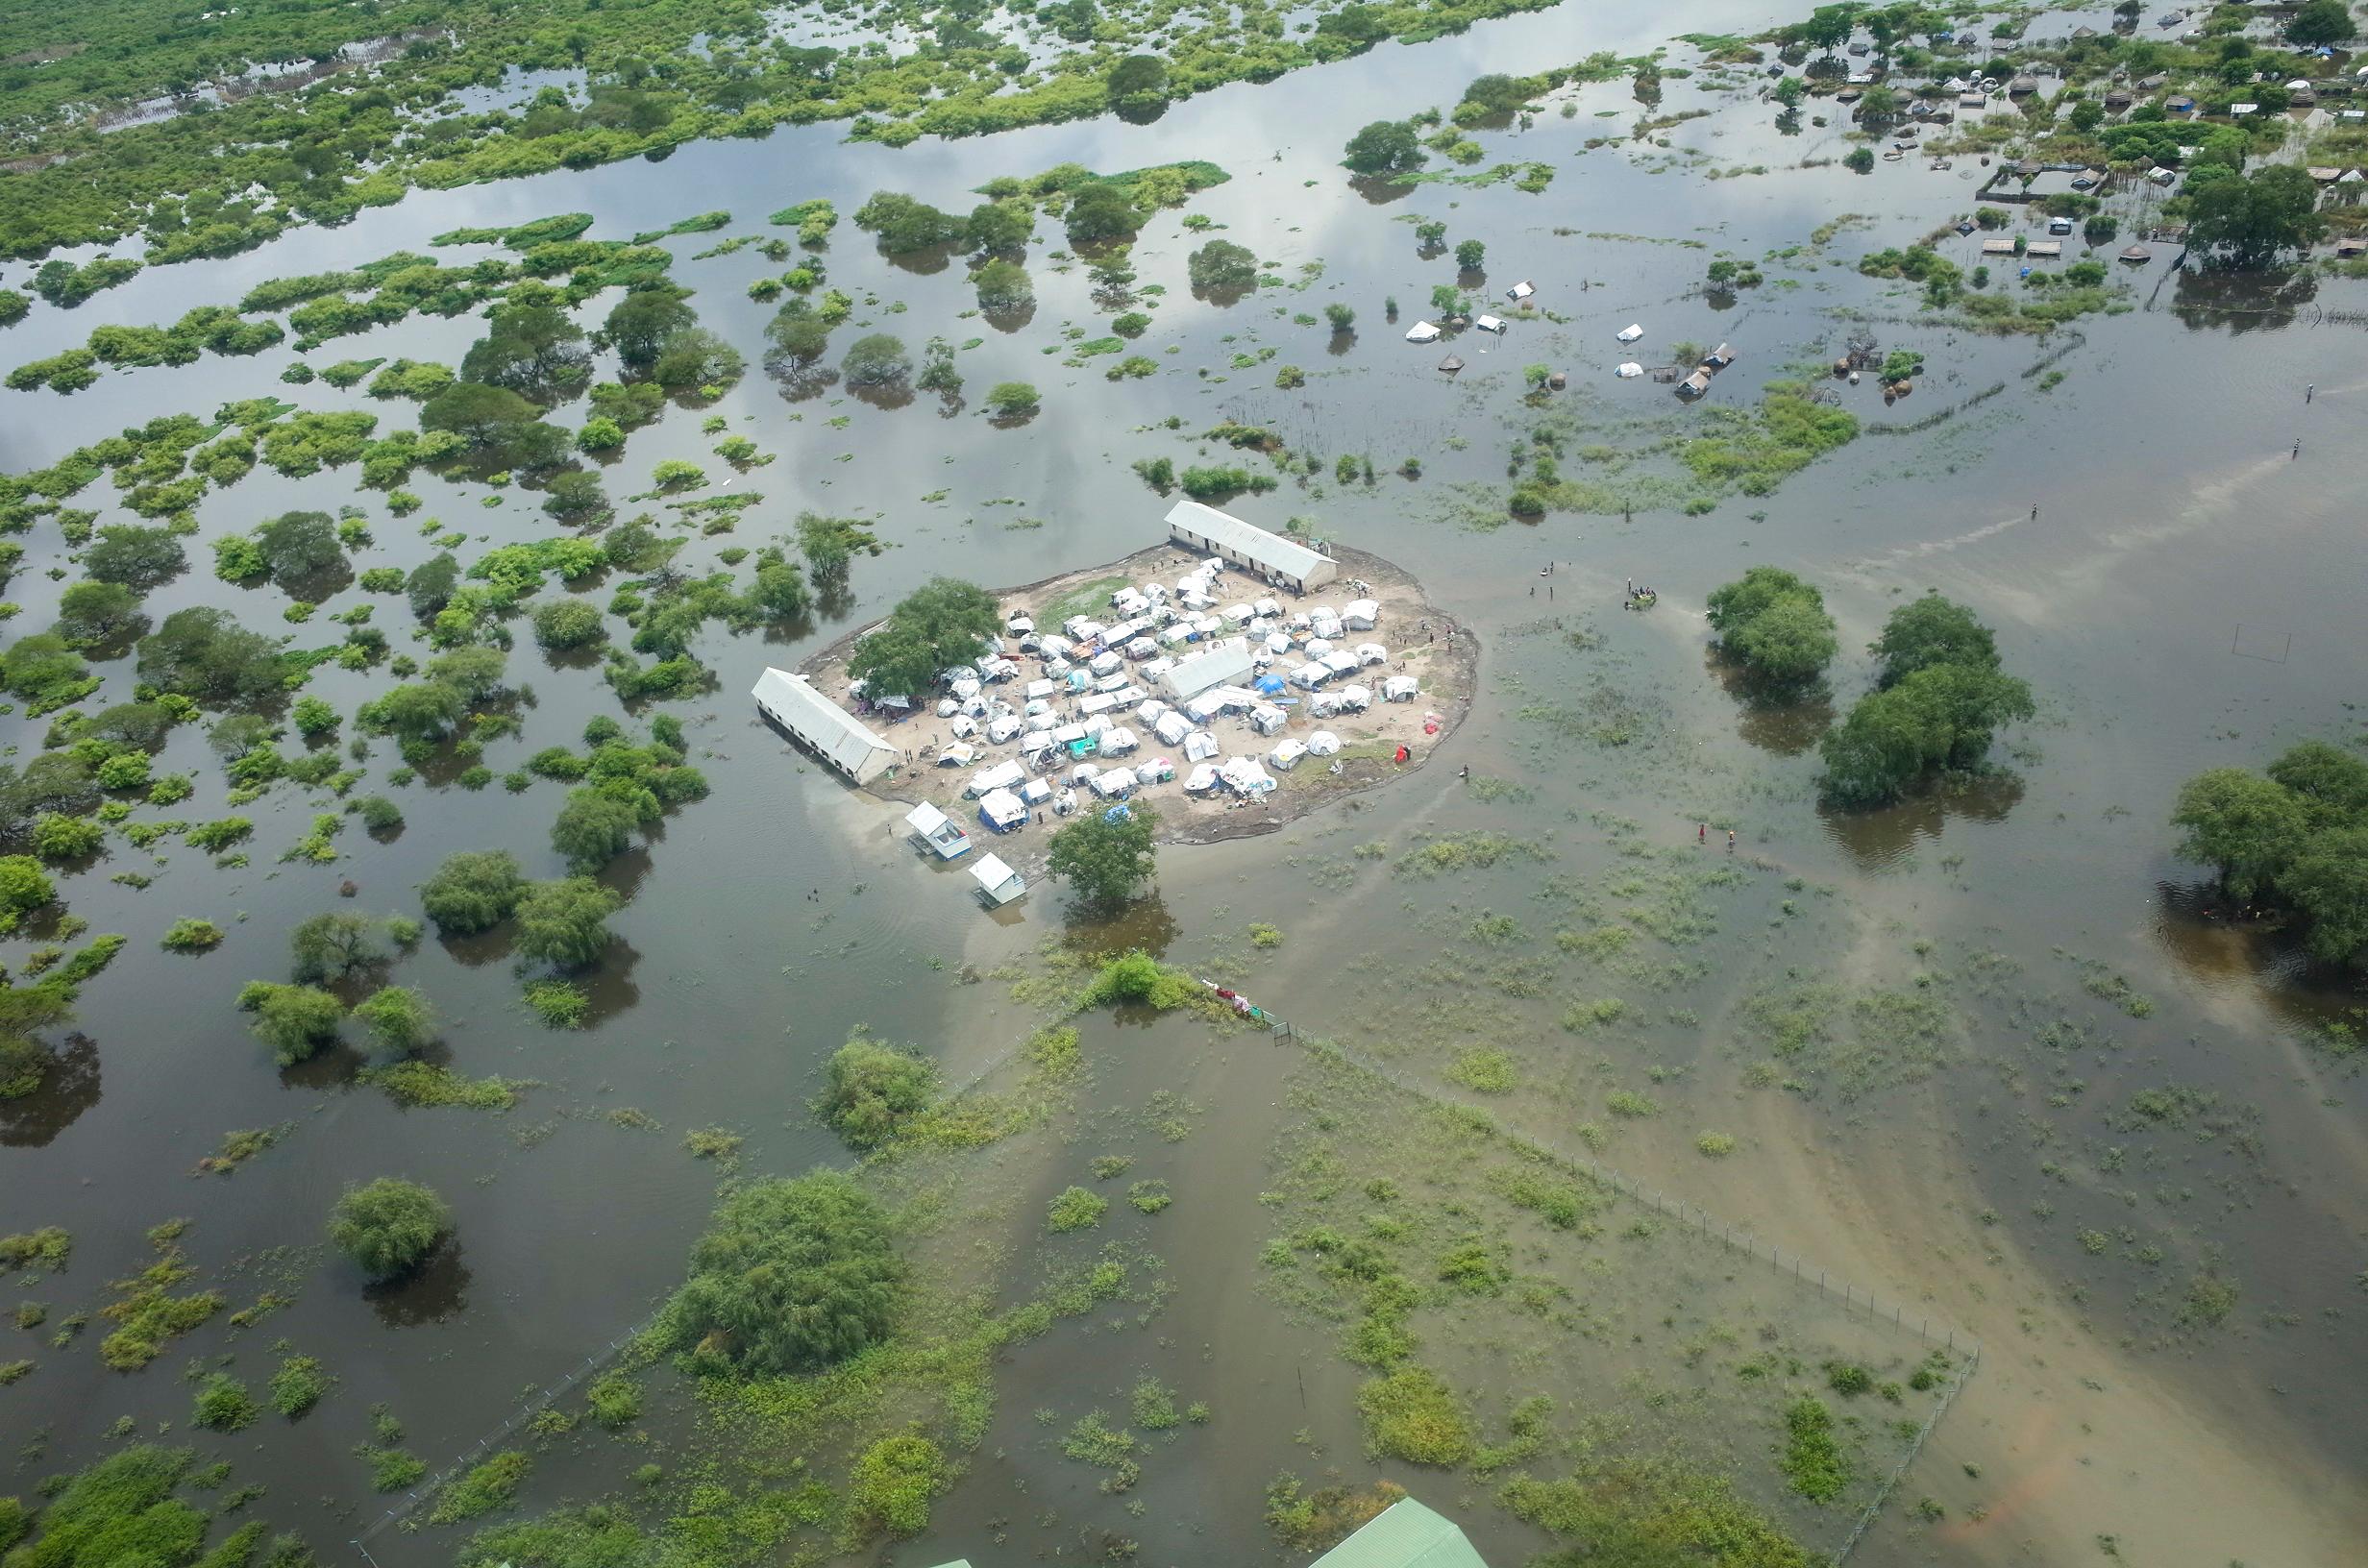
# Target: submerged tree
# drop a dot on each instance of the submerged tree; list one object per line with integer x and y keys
{"x": 1385, "y": 147}
{"x": 1105, "y": 863}
{"x": 1775, "y": 623}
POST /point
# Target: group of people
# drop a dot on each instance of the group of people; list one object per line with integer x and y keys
{"x": 1639, "y": 596}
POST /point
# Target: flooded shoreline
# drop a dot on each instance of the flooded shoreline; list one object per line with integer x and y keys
{"x": 1968, "y": 963}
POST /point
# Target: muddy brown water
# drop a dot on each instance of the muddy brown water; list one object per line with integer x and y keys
{"x": 2186, "y": 597}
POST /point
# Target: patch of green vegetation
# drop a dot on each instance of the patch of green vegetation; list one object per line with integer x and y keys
{"x": 1412, "y": 1415}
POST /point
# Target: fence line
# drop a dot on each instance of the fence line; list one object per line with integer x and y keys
{"x": 1693, "y": 1217}
{"x": 1696, "y": 1218}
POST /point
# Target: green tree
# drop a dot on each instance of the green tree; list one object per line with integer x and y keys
{"x": 2249, "y": 221}
{"x": 24, "y": 1011}
{"x": 331, "y": 946}
{"x": 1099, "y": 211}
{"x": 299, "y": 545}
{"x": 398, "y": 1019}
{"x": 2329, "y": 882}
{"x": 877, "y": 359}
{"x": 872, "y": 1091}
{"x": 567, "y": 622}
{"x": 389, "y": 1226}
{"x": 1384, "y": 147}
{"x": 1137, "y": 83}
{"x": 1930, "y": 631}
{"x": 295, "y": 1020}
{"x": 593, "y": 828}
{"x": 1775, "y": 622}
{"x": 939, "y": 625}
{"x": 203, "y": 653}
{"x": 96, "y": 612}
{"x": 1221, "y": 266}
{"x": 137, "y": 557}
{"x": 642, "y": 322}
{"x": 792, "y": 1276}
{"x": 1469, "y": 254}
{"x": 24, "y": 887}
{"x": 2247, "y": 829}
{"x": 1003, "y": 286}
{"x": 1001, "y": 226}
{"x": 2330, "y": 784}
{"x": 565, "y": 922}
{"x": 1010, "y": 399}
{"x": 904, "y": 226}
{"x": 472, "y": 890}
{"x": 1105, "y": 863}
{"x": 797, "y": 334}
{"x": 2322, "y": 24}
{"x": 1939, "y": 717}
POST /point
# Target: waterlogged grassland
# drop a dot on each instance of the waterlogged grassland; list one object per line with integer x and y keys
{"x": 1511, "y": 1309}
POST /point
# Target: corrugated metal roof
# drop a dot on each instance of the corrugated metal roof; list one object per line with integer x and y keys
{"x": 1228, "y": 661}
{"x": 1252, "y": 543}
{"x": 1405, "y": 1535}
{"x": 842, "y": 740}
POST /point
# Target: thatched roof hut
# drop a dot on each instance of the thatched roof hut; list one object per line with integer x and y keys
{"x": 1451, "y": 364}
{"x": 2023, "y": 86}
{"x": 2136, "y": 254}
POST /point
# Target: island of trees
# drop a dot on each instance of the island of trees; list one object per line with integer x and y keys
{"x": 2293, "y": 837}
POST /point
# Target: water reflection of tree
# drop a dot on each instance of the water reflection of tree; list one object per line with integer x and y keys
{"x": 430, "y": 1294}
{"x": 334, "y": 1067}
{"x": 1145, "y": 924}
{"x": 1010, "y": 318}
{"x": 800, "y": 380}
{"x": 68, "y": 1088}
{"x": 2242, "y": 301}
{"x": 1379, "y": 189}
{"x": 1782, "y": 719}
{"x": 1876, "y": 839}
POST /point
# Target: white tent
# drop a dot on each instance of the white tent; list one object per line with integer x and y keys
{"x": 1309, "y": 677}
{"x": 1357, "y": 698}
{"x": 1267, "y": 719}
{"x": 1036, "y": 792}
{"x": 1200, "y": 745}
{"x": 1490, "y": 324}
{"x": 1098, "y": 702}
{"x": 1629, "y": 370}
{"x": 960, "y": 754}
{"x": 1323, "y": 744}
{"x": 1001, "y": 776}
{"x": 1340, "y": 662}
{"x": 1001, "y": 810}
{"x": 1201, "y": 780}
{"x": 963, "y": 728}
{"x": 997, "y": 883}
{"x": 1115, "y": 784}
{"x": 1003, "y": 729}
{"x": 1244, "y": 775}
{"x": 1148, "y": 710}
{"x": 1372, "y": 653}
{"x": 1324, "y": 705}
{"x": 1286, "y": 754}
{"x": 1117, "y": 743}
{"x": 1171, "y": 728}
{"x": 1400, "y": 688}
{"x": 1422, "y": 331}
{"x": 1519, "y": 291}
{"x": 1361, "y": 614}
{"x": 939, "y": 831}
{"x": 1631, "y": 332}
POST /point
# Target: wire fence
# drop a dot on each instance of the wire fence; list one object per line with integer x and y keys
{"x": 1965, "y": 1351}
{"x": 1693, "y": 1217}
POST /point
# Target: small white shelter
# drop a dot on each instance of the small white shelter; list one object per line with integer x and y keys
{"x": 1490, "y": 324}
{"x": 1004, "y": 775}
{"x": 1361, "y": 614}
{"x": 1287, "y": 753}
{"x": 1401, "y": 689}
{"x": 1323, "y": 744}
{"x": 1629, "y": 370}
{"x": 933, "y": 829}
{"x": 1422, "y": 331}
{"x": 1631, "y": 332}
{"x": 997, "y": 883}
{"x": 1001, "y": 810}
{"x": 1519, "y": 291}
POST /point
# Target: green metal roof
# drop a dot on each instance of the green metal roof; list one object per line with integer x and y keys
{"x": 1405, "y": 1535}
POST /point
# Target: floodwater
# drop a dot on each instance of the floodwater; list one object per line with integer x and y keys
{"x": 2186, "y": 596}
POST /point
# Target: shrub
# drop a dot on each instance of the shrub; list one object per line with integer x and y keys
{"x": 295, "y": 1020}
{"x": 892, "y": 1484}
{"x": 298, "y": 1385}
{"x": 873, "y": 1091}
{"x": 224, "y": 1404}
{"x": 191, "y": 935}
{"x": 473, "y": 891}
{"x": 1075, "y": 1208}
{"x": 1010, "y": 399}
{"x": 567, "y": 622}
{"x": 1412, "y": 1415}
{"x": 791, "y": 1276}
{"x": 57, "y": 837}
{"x": 389, "y": 1226}
{"x": 398, "y": 1017}
{"x": 614, "y": 1401}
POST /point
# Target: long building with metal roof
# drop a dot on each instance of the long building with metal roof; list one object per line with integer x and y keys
{"x": 824, "y": 727}
{"x": 1248, "y": 545}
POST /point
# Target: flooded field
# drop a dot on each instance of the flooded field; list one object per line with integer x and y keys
{"x": 1991, "y": 1056}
